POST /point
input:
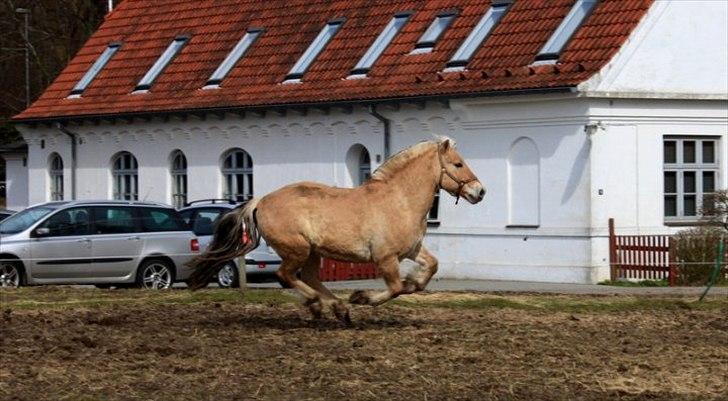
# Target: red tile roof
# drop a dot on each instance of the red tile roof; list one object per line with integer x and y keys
{"x": 502, "y": 63}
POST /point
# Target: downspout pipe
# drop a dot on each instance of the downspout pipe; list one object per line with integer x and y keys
{"x": 386, "y": 123}
{"x": 74, "y": 143}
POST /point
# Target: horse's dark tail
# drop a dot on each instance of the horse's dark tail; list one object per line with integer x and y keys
{"x": 236, "y": 234}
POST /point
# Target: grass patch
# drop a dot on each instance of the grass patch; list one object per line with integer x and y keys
{"x": 642, "y": 283}
{"x": 68, "y": 298}
{"x": 571, "y": 304}
{"x": 30, "y": 298}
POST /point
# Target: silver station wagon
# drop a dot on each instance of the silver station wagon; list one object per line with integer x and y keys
{"x": 120, "y": 243}
{"x": 260, "y": 264}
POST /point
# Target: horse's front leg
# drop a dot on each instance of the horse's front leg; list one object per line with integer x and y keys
{"x": 389, "y": 268}
{"x": 418, "y": 278}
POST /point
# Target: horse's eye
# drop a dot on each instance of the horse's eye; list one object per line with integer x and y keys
{"x": 458, "y": 165}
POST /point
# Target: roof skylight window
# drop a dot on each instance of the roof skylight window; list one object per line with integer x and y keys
{"x": 556, "y": 43}
{"x": 234, "y": 56}
{"x": 172, "y": 50}
{"x": 313, "y": 50}
{"x": 478, "y": 35}
{"x": 438, "y": 26}
{"x": 380, "y": 44}
{"x": 97, "y": 66}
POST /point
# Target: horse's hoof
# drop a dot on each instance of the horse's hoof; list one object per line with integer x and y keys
{"x": 342, "y": 313}
{"x": 316, "y": 309}
{"x": 359, "y": 297}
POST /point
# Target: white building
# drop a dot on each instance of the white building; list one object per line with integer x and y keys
{"x": 619, "y": 109}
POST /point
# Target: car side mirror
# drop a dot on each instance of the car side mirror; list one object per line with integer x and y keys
{"x": 42, "y": 231}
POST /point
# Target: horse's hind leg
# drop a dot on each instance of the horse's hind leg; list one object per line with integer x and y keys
{"x": 310, "y": 276}
{"x": 418, "y": 278}
{"x": 287, "y": 273}
{"x": 390, "y": 272}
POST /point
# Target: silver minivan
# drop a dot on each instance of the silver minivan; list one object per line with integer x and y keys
{"x": 105, "y": 243}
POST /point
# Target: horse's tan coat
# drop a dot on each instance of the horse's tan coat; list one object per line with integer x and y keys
{"x": 382, "y": 221}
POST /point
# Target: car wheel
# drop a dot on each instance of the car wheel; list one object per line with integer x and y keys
{"x": 11, "y": 274}
{"x": 155, "y": 274}
{"x": 228, "y": 277}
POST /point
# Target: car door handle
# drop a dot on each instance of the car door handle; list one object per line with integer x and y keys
{"x": 135, "y": 238}
{"x": 84, "y": 240}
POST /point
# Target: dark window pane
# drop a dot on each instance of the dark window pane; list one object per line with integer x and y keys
{"x": 68, "y": 222}
{"x": 671, "y": 205}
{"x": 708, "y": 152}
{"x": 689, "y": 181}
{"x": 186, "y": 216}
{"x": 114, "y": 220}
{"x": 205, "y": 221}
{"x": 688, "y": 151}
{"x": 670, "y": 153}
{"x": 689, "y": 205}
{"x": 156, "y": 220}
{"x": 670, "y": 182}
{"x": 434, "y": 210}
{"x": 239, "y": 159}
{"x": 708, "y": 181}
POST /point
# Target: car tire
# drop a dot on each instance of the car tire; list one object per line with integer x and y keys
{"x": 155, "y": 274}
{"x": 228, "y": 277}
{"x": 12, "y": 274}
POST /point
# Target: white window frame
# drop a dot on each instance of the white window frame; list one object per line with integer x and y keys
{"x": 96, "y": 67}
{"x": 172, "y": 50}
{"x": 178, "y": 171}
{"x": 434, "y": 32}
{"x": 381, "y": 43}
{"x": 232, "y": 171}
{"x": 478, "y": 35}
{"x": 125, "y": 176}
{"x": 234, "y": 57}
{"x": 680, "y": 167}
{"x": 580, "y": 12}
{"x": 55, "y": 173}
{"x": 313, "y": 50}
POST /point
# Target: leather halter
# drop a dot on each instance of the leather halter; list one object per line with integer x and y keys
{"x": 443, "y": 171}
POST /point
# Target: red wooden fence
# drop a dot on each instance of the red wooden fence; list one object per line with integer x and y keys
{"x": 642, "y": 257}
{"x": 334, "y": 270}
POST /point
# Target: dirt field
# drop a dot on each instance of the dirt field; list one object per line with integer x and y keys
{"x": 59, "y": 343}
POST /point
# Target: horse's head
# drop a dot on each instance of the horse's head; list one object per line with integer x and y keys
{"x": 455, "y": 176}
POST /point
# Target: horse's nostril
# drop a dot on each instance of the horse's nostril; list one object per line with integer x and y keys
{"x": 482, "y": 192}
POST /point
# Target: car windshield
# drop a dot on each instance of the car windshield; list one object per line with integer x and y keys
{"x": 22, "y": 220}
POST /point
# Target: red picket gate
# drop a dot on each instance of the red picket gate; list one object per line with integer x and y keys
{"x": 335, "y": 270}
{"x": 642, "y": 257}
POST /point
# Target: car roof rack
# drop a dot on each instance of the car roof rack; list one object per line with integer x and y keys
{"x": 213, "y": 201}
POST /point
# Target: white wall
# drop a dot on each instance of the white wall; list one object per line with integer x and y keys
{"x": 16, "y": 179}
{"x": 680, "y": 49}
{"x": 622, "y": 158}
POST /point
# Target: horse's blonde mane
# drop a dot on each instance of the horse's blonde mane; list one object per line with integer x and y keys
{"x": 404, "y": 156}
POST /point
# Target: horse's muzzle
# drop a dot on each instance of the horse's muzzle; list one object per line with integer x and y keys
{"x": 474, "y": 192}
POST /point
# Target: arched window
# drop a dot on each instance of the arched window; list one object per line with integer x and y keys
{"x": 237, "y": 173}
{"x": 55, "y": 171}
{"x": 178, "y": 171}
{"x": 359, "y": 164}
{"x": 125, "y": 175}
{"x": 523, "y": 184}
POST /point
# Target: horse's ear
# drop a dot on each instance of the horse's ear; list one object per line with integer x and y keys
{"x": 445, "y": 145}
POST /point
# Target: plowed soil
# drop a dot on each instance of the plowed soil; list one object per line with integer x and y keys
{"x": 80, "y": 344}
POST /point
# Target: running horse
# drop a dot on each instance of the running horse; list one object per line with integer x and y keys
{"x": 382, "y": 221}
